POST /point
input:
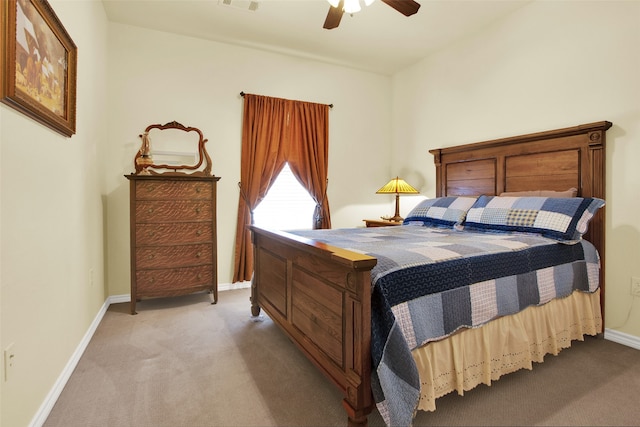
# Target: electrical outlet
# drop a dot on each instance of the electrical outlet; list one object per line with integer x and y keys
{"x": 635, "y": 286}
{"x": 9, "y": 361}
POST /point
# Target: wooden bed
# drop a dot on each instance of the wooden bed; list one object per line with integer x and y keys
{"x": 320, "y": 295}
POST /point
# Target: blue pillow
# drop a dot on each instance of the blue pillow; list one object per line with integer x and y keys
{"x": 441, "y": 211}
{"x": 563, "y": 219}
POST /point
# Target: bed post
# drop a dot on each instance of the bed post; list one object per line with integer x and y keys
{"x": 439, "y": 179}
{"x": 596, "y": 164}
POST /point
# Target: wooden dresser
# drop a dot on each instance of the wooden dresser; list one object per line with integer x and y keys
{"x": 173, "y": 236}
{"x": 173, "y": 218}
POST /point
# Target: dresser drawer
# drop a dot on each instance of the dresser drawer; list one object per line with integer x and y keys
{"x": 173, "y": 256}
{"x": 177, "y": 210}
{"x": 174, "y": 190}
{"x": 173, "y": 281}
{"x": 174, "y": 233}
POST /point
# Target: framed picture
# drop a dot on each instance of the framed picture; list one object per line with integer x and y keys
{"x": 39, "y": 62}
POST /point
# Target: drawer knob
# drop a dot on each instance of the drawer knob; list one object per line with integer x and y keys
{"x": 199, "y": 254}
{"x": 199, "y": 232}
{"x": 198, "y": 209}
{"x": 151, "y": 256}
{"x": 198, "y": 190}
{"x": 199, "y": 275}
{"x": 150, "y": 210}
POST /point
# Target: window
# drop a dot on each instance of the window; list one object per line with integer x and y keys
{"x": 287, "y": 205}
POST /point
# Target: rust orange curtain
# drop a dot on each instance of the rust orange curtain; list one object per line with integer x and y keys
{"x": 308, "y": 155}
{"x": 276, "y": 131}
{"x": 262, "y": 159}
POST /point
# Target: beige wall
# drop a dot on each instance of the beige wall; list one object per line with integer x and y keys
{"x": 156, "y": 77}
{"x": 51, "y": 225}
{"x": 550, "y": 65}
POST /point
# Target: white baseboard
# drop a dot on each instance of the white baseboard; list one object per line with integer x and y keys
{"x": 234, "y": 286}
{"x": 45, "y": 409}
{"x": 115, "y": 299}
{"x": 622, "y": 338}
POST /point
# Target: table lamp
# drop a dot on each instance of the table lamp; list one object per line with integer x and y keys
{"x": 397, "y": 186}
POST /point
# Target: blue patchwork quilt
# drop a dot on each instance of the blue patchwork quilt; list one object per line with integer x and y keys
{"x": 430, "y": 282}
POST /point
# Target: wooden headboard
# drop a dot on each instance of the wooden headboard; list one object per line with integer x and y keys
{"x": 552, "y": 160}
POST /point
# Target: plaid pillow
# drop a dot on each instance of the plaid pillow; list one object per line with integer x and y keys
{"x": 441, "y": 211}
{"x": 564, "y": 219}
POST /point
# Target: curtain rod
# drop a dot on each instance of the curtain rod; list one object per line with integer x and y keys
{"x": 242, "y": 95}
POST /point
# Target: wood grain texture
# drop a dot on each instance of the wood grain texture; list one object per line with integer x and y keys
{"x": 173, "y": 236}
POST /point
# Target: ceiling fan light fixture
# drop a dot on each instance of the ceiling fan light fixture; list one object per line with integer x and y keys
{"x": 340, "y": 7}
{"x": 352, "y": 6}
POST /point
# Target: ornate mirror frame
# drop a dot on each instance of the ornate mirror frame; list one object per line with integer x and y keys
{"x": 144, "y": 164}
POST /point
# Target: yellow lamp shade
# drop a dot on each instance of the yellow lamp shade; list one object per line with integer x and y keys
{"x": 397, "y": 185}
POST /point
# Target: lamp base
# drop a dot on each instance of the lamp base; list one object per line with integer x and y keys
{"x": 396, "y": 217}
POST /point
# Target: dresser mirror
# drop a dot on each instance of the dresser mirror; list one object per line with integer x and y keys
{"x": 172, "y": 148}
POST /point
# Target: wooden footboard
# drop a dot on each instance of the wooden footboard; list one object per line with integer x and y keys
{"x": 321, "y": 297}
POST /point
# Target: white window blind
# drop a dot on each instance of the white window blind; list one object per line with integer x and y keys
{"x": 287, "y": 205}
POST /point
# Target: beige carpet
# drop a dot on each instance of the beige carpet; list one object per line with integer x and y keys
{"x": 184, "y": 362}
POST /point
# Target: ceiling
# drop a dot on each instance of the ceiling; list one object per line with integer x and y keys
{"x": 376, "y": 39}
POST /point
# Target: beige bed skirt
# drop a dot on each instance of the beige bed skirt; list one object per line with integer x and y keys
{"x": 507, "y": 344}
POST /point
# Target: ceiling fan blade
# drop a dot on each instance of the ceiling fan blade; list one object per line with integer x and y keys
{"x": 405, "y": 7}
{"x": 334, "y": 16}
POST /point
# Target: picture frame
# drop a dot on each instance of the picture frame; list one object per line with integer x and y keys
{"x": 39, "y": 64}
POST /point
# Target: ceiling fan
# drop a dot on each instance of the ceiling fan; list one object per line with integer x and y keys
{"x": 406, "y": 7}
